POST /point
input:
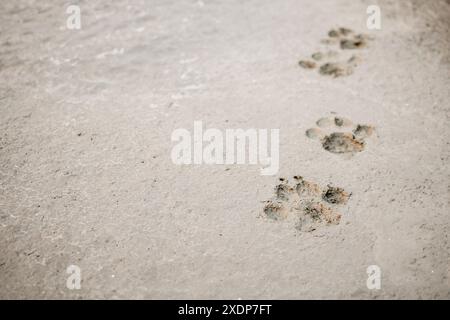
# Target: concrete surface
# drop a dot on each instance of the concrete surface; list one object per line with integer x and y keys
{"x": 86, "y": 177}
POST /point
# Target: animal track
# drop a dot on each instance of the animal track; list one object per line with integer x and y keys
{"x": 340, "y": 142}
{"x": 347, "y": 40}
{"x": 305, "y": 204}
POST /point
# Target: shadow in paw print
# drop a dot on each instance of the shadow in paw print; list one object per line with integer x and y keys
{"x": 336, "y": 135}
{"x": 346, "y": 40}
{"x": 305, "y": 204}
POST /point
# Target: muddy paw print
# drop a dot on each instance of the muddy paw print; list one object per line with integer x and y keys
{"x": 329, "y": 61}
{"x": 305, "y": 204}
{"x": 339, "y": 69}
{"x": 347, "y": 39}
{"x": 335, "y": 135}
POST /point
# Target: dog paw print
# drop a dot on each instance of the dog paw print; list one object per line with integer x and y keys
{"x": 330, "y": 62}
{"x": 305, "y": 204}
{"x": 336, "y": 135}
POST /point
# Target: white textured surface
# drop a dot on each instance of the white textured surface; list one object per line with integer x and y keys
{"x": 112, "y": 202}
